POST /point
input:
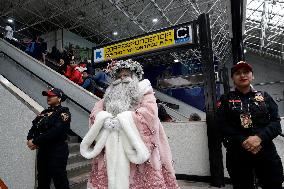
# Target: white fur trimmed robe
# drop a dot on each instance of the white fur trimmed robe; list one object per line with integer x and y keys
{"x": 122, "y": 157}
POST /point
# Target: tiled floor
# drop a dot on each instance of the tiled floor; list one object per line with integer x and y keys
{"x": 198, "y": 185}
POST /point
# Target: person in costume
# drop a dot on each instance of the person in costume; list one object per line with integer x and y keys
{"x": 131, "y": 148}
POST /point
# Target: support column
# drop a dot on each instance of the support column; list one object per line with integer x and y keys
{"x": 237, "y": 16}
{"x": 213, "y": 133}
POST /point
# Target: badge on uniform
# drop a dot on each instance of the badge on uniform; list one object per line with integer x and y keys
{"x": 64, "y": 116}
{"x": 258, "y": 97}
{"x": 246, "y": 121}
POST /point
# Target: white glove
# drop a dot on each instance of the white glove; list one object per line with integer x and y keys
{"x": 112, "y": 123}
{"x": 115, "y": 123}
{"x": 108, "y": 123}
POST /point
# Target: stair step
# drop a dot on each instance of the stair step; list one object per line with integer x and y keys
{"x": 75, "y": 158}
{"x": 74, "y": 147}
{"x": 79, "y": 182}
{"x": 79, "y": 168}
{"x": 72, "y": 139}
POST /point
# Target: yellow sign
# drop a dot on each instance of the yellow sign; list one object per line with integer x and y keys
{"x": 142, "y": 44}
{"x": 169, "y": 37}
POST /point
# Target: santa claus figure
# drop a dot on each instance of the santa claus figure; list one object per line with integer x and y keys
{"x": 130, "y": 146}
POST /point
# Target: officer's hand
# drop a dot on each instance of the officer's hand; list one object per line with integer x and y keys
{"x": 251, "y": 143}
{"x": 31, "y": 145}
{"x": 256, "y": 150}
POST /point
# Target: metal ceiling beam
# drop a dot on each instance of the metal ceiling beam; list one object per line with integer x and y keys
{"x": 161, "y": 12}
{"x": 87, "y": 26}
{"x": 19, "y": 4}
{"x": 213, "y": 5}
{"x": 181, "y": 16}
{"x": 219, "y": 16}
{"x": 271, "y": 41}
{"x": 269, "y": 24}
{"x": 263, "y": 47}
{"x": 195, "y": 7}
{"x": 56, "y": 15}
{"x": 263, "y": 53}
{"x": 39, "y": 16}
{"x": 273, "y": 13}
{"x": 264, "y": 20}
{"x": 133, "y": 19}
{"x": 255, "y": 10}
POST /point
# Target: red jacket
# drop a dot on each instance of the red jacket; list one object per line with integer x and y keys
{"x": 74, "y": 75}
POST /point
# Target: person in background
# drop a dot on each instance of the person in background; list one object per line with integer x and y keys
{"x": 249, "y": 122}
{"x": 131, "y": 148}
{"x": 101, "y": 78}
{"x": 43, "y": 49}
{"x": 49, "y": 134}
{"x": 89, "y": 66}
{"x": 74, "y": 73}
{"x": 64, "y": 56}
{"x": 9, "y": 33}
{"x": 54, "y": 54}
{"x": 31, "y": 48}
{"x": 71, "y": 52}
{"x": 62, "y": 67}
{"x": 89, "y": 83}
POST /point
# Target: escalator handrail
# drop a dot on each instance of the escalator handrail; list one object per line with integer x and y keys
{"x": 156, "y": 90}
{"x": 34, "y": 74}
{"x": 67, "y": 95}
{"x": 177, "y": 112}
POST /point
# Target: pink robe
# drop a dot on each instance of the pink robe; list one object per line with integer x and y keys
{"x": 157, "y": 172}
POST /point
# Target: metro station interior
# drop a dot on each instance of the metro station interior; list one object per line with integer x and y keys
{"x": 188, "y": 76}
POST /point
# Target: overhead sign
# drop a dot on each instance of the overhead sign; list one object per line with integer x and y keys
{"x": 174, "y": 36}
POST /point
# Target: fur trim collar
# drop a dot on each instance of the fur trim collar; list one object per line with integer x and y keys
{"x": 122, "y": 147}
{"x": 80, "y": 69}
{"x": 145, "y": 87}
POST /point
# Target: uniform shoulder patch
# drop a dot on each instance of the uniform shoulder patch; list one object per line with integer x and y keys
{"x": 65, "y": 117}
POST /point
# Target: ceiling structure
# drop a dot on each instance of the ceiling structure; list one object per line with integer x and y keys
{"x": 264, "y": 31}
{"x": 97, "y": 20}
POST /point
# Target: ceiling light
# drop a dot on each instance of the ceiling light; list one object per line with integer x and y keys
{"x": 176, "y": 60}
{"x": 10, "y": 20}
{"x": 245, "y": 50}
{"x": 155, "y": 20}
{"x": 115, "y": 33}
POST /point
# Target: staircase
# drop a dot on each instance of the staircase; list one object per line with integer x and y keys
{"x": 78, "y": 168}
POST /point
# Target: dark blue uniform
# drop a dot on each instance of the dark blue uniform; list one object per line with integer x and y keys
{"x": 243, "y": 115}
{"x": 49, "y": 134}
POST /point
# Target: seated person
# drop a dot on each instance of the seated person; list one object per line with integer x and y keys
{"x": 101, "y": 78}
{"x": 89, "y": 83}
{"x": 74, "y": 72}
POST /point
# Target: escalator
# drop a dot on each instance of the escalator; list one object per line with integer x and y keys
{"x": 179, "y": 107}
{"x": 32, "y": 76}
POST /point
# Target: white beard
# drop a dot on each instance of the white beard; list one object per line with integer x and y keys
{"x": 122, "y": 95}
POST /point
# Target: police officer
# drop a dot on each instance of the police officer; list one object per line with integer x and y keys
{"x": 48, "y": 135}
{"x": 249, "y": 120}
